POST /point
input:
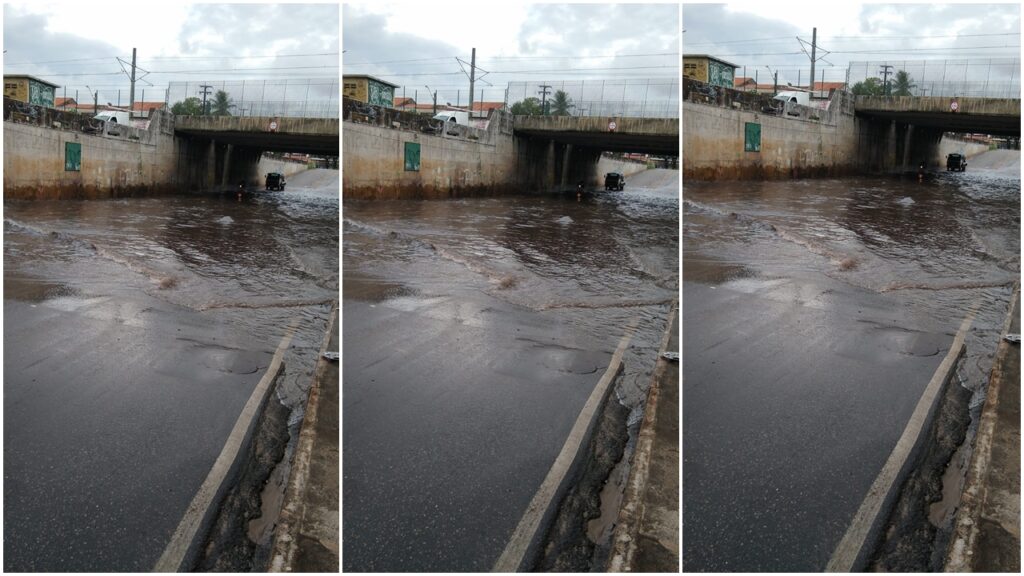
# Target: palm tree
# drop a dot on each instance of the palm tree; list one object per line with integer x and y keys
{"x": 902, "y": 84}
{"x": 221, "y": 104}
{"x": 561, "y": 104}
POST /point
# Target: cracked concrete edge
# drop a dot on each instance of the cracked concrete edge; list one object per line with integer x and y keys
{"x": 184, "y": 546}
{"x": 622, "y": 557}
{"x": 966, "y": 529}
{"x": 523, "y": 545}
{"x": 861, "y": 537}
{"x": 285, "y": 546}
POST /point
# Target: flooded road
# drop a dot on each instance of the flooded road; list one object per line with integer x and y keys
{"x": 134, "y": 332}
{"x": 815, "y": 313}
{"x": 474, "y": 332}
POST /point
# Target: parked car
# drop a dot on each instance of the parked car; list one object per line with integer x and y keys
{"x": 614, "y": 181}
{"x": 275, "y": 181}
{"x": 956, "y": 162}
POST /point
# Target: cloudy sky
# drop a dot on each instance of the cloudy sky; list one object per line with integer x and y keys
{"x": 764, "y": 35}
{"x": 416, "y": 45}
{"x": 77, "y": 44}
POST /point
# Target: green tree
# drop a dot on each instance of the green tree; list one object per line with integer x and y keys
{"x": 561, "y": 104}
{"x": 528, "y": 107}
{"x": 191, "y": 106}
{"x": 869, "y": 87}
{"x": 902, "y": 84}
{"x": 221, "y": 104}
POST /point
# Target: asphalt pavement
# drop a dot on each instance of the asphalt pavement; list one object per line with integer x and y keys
{"x": 796, "y": 392}
{"x": 114, "y": 411}
{"x": 454, "y": 409}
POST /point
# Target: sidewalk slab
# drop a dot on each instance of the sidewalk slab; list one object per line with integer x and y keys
{"x": 986, "y": 535}
{"x": 646, "y": 537}
{"x": 307, "y": 535}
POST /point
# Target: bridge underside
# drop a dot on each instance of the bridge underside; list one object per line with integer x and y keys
{"x": 656, "y": 144}
{"x": 994, "y": 124}
{"x": 315, "y": 144}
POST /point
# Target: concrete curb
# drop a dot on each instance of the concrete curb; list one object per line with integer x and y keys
{"x": 966, "y": 529}
{"x": 853, "y": 551}
{"x": 285, "y": 544}
{"x": 622, "y": 556}
{"x": 185, "y": 544}
{"x": 525, "y": 540}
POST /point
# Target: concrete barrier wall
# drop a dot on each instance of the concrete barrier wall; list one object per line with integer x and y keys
{"x": 950, "y": 145}
{"x": 287, "y": 168}
{"x": 373, "y": 163}
{"x": 624, "y": 167}
{"x": 713, "y": 145}
{"x": 137, "y": 162}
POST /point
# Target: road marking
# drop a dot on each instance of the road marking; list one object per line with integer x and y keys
{"x": 845, "y": 555}
{"x": 519, "y": 544}
{"x": 197, "y": 511}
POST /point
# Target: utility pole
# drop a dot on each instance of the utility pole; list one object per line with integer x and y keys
{"x": 885, "y": 77}
{"x": 544, "y": 99}
{"x": 131, "y": 93}
{"x": 472, "y": 79}
{"x": 205, "y": 91}
{"x": 814, "y": 46}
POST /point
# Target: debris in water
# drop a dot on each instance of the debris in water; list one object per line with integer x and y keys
{"x": 905, "y": 201}
{"x": 564, "y": 220}
{"x": 225, "y": 220}
{"x": 331, "y": 356}
{"x": 671, "y": 356}
{"x": 1012, "y": 338}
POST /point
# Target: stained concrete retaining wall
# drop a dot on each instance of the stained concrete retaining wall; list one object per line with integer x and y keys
{"x": 134, "y": 162}
{"x": 287, "y": 168}
{"x": 373, "y": 162}
{"x": 624, "y": 167}
{"x": 713, "y": 144}
{"x": 949, "y": 146}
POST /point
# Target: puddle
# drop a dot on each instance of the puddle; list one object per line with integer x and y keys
{"x": 27, "y": 289}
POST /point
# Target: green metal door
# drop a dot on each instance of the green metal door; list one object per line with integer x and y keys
{"x": 412, "y": 156}
{"x": 72, "y": 157}
{"x": 752, "y": 137}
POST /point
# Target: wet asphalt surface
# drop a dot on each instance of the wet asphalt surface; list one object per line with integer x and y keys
{"x": 474, "y": 332}
{"x": 815, "y": 313}
{"x": 134, "y": 332}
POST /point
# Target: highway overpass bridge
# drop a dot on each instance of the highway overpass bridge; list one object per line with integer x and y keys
{"x": 995, "y": 116}
{"x": 899, "y": 133}
{"x": 557, "y": 151}
{"x": 223, "y": 150}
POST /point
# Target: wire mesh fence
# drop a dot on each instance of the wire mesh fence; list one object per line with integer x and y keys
{"x": 295, "y": 98}
{"x": 979, "y": 77}
{"x": 634, "y": 98}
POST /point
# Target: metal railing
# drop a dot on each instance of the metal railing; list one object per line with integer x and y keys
{"x": 24, "y": 113}
{"x": 633, "y": 98}
{"x": 977, "y": 77}
{"x": 293, "y": 98}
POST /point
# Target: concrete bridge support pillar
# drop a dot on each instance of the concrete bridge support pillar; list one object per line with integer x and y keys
{"x": 890, "y": 151}
{"x": 566, "y": 158}
{"x": 908, "y": 139}
{"x": 549, "y": 161}
{"x": 227, "y": 165}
